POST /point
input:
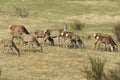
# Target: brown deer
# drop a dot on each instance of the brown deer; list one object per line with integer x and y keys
{"x": 70, "y": 37}
{"x": 54, "y": 33}
{"x": 40, "y": 34}
{"x": 30, "y": 40}
{"x": 16, "y": 30}
{"x": 9, "y": 44}
{"x": 106, "y": 40}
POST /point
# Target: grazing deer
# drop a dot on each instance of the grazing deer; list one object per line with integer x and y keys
{"x": 30, "y": 40}
{"x": 105, "y": 39}
{"x": 54, "y": 33}
{"x": 9, "y": 44}
{"x": 16, "y": 30}
{"x": 73, "y": 38}
{"x": 40, "y": 34}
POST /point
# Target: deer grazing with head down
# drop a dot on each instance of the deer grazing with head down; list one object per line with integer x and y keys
{"x": 8, "y": 44}
{"x": 70, "y": 37}
{"x": 30, "y": 40}
{"x": 106, "y": 40}
{"x": 16, "y": 30}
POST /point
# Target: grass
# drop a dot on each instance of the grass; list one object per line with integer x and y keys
{"x": 56, "y": 63}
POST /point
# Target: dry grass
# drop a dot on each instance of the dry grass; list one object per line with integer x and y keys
{"x": 56, "y": 63}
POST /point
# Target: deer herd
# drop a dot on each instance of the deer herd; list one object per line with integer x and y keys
{"x": 64, "y": 39}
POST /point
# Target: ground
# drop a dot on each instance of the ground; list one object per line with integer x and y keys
{"x": 56, "y": 63}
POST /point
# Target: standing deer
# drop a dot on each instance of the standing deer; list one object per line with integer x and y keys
{"x": 54, "y": 33}
{"x": 9, "y": 44}
{"x": 40, "y": 34}
{"x": 106, "y": 40}
{"x": 73, "y": 38}
{"x": 30, "y": 40}
{"x": 16, "y": 30}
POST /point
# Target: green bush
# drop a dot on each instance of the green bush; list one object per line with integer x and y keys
{"x": 77, "y": 25}
{"x": 96, "y": 70}
{"x": 19, "y": 11}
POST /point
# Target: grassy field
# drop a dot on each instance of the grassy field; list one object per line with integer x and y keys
{"x": 57, "y": 63}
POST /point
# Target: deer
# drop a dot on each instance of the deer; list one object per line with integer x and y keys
{"x": 9, "y": 44}
{"x": 31, "y": 41}
{"x": 106, "y": 39}
{"x": 16, "y": 30}
{"x": 72, "y": 38}
{"x": 54, "y": 33}
{"x": 40, "y": 34}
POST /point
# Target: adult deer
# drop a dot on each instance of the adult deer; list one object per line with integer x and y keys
{"x": 106, "y": 40}
{"x": 54, "y": 33}
{"x": 40, "y": 34}
{"x": 16, "y": 30}
{"x": 70, "y": 37}
{"x": 30, "y": 40}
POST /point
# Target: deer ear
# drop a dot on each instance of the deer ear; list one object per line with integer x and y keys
{"x": 10, "y": 25}
{"x": 45, "y": 31}
{"x": 65, "y": 27}
{"x": 94, "y": 35}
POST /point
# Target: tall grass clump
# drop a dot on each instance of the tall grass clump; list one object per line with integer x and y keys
{"x": 77, "y": 25}
{"x": 20, "y": 11}
{"x": 96, "y": 70}
{"x": 117, "y": 31}
{"x": 114, "y": 74}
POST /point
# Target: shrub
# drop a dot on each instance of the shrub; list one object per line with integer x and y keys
{"x": 77, "y": 25}
{"x": 19, "y": 11}
{"x": 117, "y": 31}
{"x": 96, "y": 70}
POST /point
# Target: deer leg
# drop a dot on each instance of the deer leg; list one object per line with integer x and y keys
{"x": 106, "y": 47}
{"x": 51, "y": 41}
{"x": 95, "y": 45}
{"x": 98, "y": 45}
{"x": 45, "y": 39}
{"x": 4, "y": 50}
{"x": 79, "y": 44}
{"x": 41, "y": 49}
{"x": 7, "y": 50}
{"x": 59, "y": 41}
{"x": 63, "y": 41}
{"x": 68, "y": 43}
{"x": 32, "y": 46}
{"x": 111, "y": 48}
{"x": 12, "y": 50}
{"x": 73, "y": 43}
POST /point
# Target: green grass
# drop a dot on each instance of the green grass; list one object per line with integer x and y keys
{"x": 56, "y": 63}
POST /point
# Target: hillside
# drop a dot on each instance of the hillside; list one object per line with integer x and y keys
{"x": 56, "y": 63}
